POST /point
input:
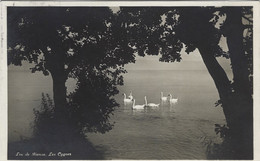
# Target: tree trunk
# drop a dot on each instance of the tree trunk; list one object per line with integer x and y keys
{"x": 239, "y": 119}
{"x": 59, "y": 90}
{"x": 220, "y": 79}
{"x": 62, "y": 129}
{"x": 234, "y": 32}
{"x": 242, "y": 126}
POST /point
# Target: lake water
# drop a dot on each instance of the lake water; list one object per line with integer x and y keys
{"x": 168, "y": 132}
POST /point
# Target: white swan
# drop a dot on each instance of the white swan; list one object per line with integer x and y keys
{"x": 127, "y": 100}
{"x": 131, "y": 95}
{"x": 150, "y": 104}
{"x": 137, "y": 107}
{"x": 173, "y": 100}
{"x": 163, "y": 98}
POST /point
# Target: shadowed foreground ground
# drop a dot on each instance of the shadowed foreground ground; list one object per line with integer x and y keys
{"x": 76, "y": 149}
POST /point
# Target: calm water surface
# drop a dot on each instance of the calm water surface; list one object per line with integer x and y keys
{"x": 167, "y": 132}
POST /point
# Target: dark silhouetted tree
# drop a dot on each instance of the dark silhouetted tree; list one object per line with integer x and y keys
{"x": 164, "y": 30}
{"x": 78, "y": 43}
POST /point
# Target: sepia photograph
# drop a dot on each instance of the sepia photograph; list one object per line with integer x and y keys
{"x": 159, "y": 81}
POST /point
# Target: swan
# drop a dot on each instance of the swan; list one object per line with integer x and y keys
{"x": 131, "y": 95}
{"x": 150, "y": 104}
{"x": 173, "y": 100}
{"x": 137, "y": 107}
{"x": 127, "y": 100}
{"x": 163, "y": 98}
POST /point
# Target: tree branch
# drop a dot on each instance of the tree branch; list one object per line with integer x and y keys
{"x": 251, "y": 21}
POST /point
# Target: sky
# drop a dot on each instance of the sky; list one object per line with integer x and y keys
{"x": 192, "y": 61}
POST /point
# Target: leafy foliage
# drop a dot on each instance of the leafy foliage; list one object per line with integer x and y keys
{"x": 166, "y": 30}
{"x": 92, "y": 103}
{"x": 222, "y": 130}
{"x": 151, "y": 31}
{"x": 248, "y": 41}
{"x": 72, "y": 36}
{"x": 218, "y": 103}
{"x": 43, "y": 117}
